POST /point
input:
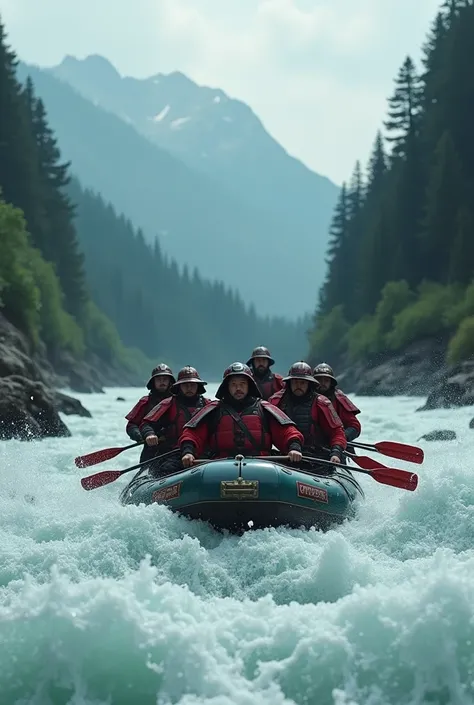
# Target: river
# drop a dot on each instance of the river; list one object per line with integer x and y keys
{"x": 108, "y": 605}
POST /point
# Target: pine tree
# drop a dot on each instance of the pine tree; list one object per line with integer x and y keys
{"x": 351, "y": 245}
{"x": 445, "y": 194}
{"x": 332, "y": 291}
{"x": 59, "y": 245}
{"x": 19, "y": 177}
{"x": 406, "y": 182}
{"x": 377, "y": 167}
{"x": 450, "y": 10}
{"x": 404, "y": 110}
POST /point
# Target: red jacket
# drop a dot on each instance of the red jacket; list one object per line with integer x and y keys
{"x": 269, "y": 384}
{"x": 138, "y": 413}
{"x": 317, "y": 420}
{"x": 347, "y": 411}
{"x": 214, "y": 428}
{"x": 169, "y": 417}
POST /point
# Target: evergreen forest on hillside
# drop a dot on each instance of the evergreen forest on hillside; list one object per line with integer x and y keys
{"x": 401, "y": 249}
{"x": 78, "y": 277}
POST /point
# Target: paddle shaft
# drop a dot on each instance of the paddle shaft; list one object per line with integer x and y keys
{"x": 105, "y": 477}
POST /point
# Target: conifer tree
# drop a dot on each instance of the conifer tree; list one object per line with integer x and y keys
{"x": 444, "y": 196}
{"x": 404, "y": 110}
{"x": 332, "y": 290}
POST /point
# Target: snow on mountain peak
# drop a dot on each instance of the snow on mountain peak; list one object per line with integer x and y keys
{"x": 179, "y": 122}
{"x": 162, "y": 114}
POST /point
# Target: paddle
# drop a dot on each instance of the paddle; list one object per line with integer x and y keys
{"x": 364, "y": 461}
{"x": 99, "y": 456}
{"x": 92, "y": 482}
{"x": 402, "y": 451}
{"x": 386, "y": 476}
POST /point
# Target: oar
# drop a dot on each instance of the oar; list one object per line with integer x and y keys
{"x": 364, "y": 461}
{"x": 92, "y": 482}
{"x": 402, "y": 451}
{"x": 386, "y": 476}
{"x": 99, "y": 456}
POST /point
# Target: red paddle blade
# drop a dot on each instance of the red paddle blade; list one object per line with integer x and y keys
{"x": 363, "y": 461}
{"x": 396, "y": 478}
{"x": 85, "y": 461}
{"x": 100, "y": 479}
{"x": 402, "y": 451}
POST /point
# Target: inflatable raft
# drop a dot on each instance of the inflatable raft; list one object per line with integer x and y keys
{"x": 249, "y": 493}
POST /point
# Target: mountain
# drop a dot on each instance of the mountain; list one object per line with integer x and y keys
{"x": 214, "y": 134}
{"x": 187, "y": 320}
{"x": 199, "y": 221}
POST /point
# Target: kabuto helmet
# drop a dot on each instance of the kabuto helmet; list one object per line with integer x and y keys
{"x": 160, "y": 370}
{"x": 261, "y": 351}
{"x": 300, "y": 370}
{"x": 189, "y": 374}
{"x": 324, "y": 370}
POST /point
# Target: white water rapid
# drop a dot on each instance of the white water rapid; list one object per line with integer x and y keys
{"x": 108, "y": 605}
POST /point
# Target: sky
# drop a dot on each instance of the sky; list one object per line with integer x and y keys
{"x": 317, "y": 72}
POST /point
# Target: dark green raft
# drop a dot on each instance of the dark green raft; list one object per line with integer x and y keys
{"x": 248, "y": 493}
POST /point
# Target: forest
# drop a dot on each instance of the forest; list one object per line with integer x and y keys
{"x": 401, "y": 249}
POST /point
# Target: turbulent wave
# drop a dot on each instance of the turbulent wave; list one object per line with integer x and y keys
{"x": 119, "y": 605}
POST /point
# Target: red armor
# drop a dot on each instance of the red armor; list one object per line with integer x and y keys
{"x": 173, "y": 416}
{"x": 214, "y": 427}
{"x": 322, "y": 428}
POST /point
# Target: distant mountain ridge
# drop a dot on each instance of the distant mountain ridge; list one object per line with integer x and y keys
{"x": 220, "y": 136}
{"x": 200, "y": 219}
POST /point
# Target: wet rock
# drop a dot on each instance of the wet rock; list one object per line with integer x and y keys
{"x": 120, "y": 399}
{"x": 471, "y": 423}
{"x": 28, "y": 410}
{"x": 443, "y": 435}
{"x": 455, "y": 389}
{"x": 412, "y": 372}
{"x": 70, "y": 406}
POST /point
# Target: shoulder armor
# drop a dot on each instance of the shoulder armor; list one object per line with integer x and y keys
{"x": 201, "y": 414}
{"x": 138, "y": 407}
{"x": 327, "y": 408}
{"x": 275, "y": 398}
{"x": 346, "y": 402}
{"x": 159, "y": 410}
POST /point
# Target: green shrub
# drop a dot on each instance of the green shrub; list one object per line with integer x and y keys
{"x": 327, "y": 340}
{"x": 461, "y": 345}
{"x": 425, "y": 317}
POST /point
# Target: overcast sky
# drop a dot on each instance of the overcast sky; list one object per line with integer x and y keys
{"x": 317, "y": 72}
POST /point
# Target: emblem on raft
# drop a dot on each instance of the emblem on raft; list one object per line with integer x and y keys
{"x": 316, "y": 494}
{"x": 167, "y": 493}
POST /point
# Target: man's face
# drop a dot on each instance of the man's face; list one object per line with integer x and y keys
{"x": 299, "y": 387}
{"x": 238, "y": 387}
{"x": 162, "y": 383}
{"x": 324, "y": 383}
{"x": 189, "y": 389}
{"x": 260, "y": 364}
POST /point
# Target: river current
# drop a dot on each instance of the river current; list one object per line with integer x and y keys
{"x": 108, "y": 605}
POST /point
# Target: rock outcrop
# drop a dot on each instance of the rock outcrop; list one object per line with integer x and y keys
{"x": 28, "y": 410}
{"x": 455, "y": 388}
{"x": 29, "y": 402}
{"x": 412, "y": 372}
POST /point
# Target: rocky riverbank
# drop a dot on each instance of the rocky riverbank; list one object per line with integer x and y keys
{"x": 420, "y": 370}
{"x": 30, "y": 402}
